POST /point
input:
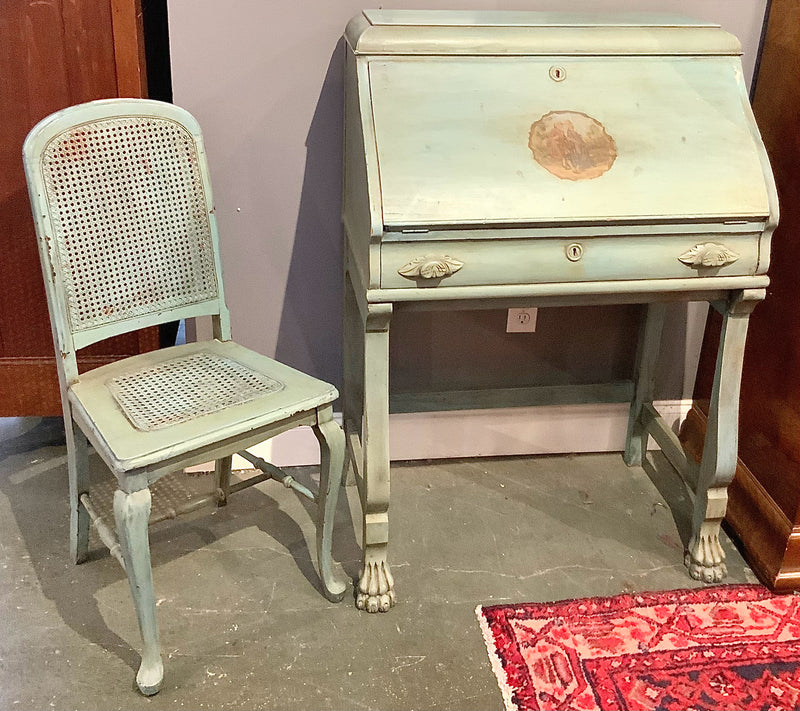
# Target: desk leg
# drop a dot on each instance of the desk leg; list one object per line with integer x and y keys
{"x": 646, "y": 359}
{"x": 375, "y": 585}
{"x": 352, "y": 395}
{"x": 705, "y": 558}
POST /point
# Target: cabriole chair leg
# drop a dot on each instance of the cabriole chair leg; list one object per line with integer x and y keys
{"x": 132, "y": 513}
{"x": 331, "y": 470}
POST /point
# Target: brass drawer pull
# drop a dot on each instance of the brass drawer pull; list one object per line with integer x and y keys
{"x": 709, "y": 254}
{"x": 430, "y": 267}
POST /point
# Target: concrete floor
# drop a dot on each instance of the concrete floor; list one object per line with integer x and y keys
{"x": 243, "y": 625}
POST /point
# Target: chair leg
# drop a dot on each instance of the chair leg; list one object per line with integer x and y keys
{"x": 78, "y": 469}
{"x": 705, "y": 557}
{"x": 331, "y": 470}
{"x": 222, "y": 477}
{"x": 132, "y": 513}
{"x": 646, "y": 358}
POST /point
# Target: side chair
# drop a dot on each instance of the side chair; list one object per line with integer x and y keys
{"x": 124, "y": 217}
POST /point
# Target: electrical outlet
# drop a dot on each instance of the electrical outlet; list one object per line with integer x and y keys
{"x": 521, "y": 320}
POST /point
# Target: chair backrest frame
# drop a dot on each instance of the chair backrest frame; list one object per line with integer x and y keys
{"x": 66, "y": 337}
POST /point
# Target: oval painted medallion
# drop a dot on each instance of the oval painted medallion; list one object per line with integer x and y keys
{"x": 572, "y": 145}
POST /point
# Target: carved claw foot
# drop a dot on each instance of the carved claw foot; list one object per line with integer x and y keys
{"x": 375, "y": 587}
{"x": 150, "y": 676}
{"x": 705, "y": 558}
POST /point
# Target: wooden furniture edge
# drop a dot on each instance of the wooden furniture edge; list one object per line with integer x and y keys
{"x": 753, "y": 517}
{"x": 128, "y": 35}
{"x": 33, "y": 380}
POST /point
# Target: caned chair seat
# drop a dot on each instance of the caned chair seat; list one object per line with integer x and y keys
{"x": 122, "y": 438}
{"x": 127, "y": 234}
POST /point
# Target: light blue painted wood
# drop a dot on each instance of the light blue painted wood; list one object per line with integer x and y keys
{"x": 640, "y": 290}
{"x": 376, "y": 585}
{"x": 78, "y": 469}
{"x": 107, "y": 271}
{"x": 671, "y": 200}
{"x": 270, "y": 471}
{"x": 453, "y": 134}
{"x": 670, "y": 445}
{"x": 332, "y": 452}
{"x": 520, "y": 261}
{"x": 705, "y": 557}
{"x": 132, "y": 512}
{"x": 437, "y": 33}
{"x": 362, "y": 215}
{"x": 352, "y": 398}
{"x": 510, "y": 397}
{"x": 644, "y": 375}
{"x": 620, "y": 228}
{"x": 132, "y": 449}
{"x": 222, "y": 478}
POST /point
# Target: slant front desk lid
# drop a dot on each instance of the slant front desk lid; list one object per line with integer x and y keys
{"x": 531, "y": 118}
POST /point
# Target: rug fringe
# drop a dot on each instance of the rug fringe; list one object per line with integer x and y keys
{"x": 496, "y": 662}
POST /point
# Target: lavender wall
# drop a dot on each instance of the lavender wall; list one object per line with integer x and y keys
{"x": 264, "y": 78}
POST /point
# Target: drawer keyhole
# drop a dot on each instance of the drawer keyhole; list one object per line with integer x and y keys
{"x": 574, "y": 252}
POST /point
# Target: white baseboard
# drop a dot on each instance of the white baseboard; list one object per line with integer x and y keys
{"x": 557, "y": 429}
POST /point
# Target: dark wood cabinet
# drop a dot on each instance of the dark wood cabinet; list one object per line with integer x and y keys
{"x": 52, "y": 55}
{"x": 764, "y": 498}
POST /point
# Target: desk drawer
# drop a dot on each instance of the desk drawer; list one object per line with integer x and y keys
{"x": 472, "y": 262}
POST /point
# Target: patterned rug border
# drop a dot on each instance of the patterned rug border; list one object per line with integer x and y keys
{"x": 620, "y": 602}
{"x": 710, "y": 593}
{"x": 495, "y": 660}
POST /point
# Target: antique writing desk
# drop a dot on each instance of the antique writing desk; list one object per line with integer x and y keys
{"x": 501, "y": 159}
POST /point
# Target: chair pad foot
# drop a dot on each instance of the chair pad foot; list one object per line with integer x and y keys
{"x": 150, "y": 678}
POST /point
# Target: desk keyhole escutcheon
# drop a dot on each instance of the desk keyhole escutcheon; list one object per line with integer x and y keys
{"x": 574, "y": 252}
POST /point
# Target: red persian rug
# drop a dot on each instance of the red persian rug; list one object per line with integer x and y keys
{"x": 727, "y": 648}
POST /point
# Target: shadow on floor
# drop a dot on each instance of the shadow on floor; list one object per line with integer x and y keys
{"x": 33, "y": 477}
{"x": 47, "y": 432}
{"x": 674, "y": 490}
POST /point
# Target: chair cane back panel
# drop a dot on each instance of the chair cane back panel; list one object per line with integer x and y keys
{"x": 131, "y": 228}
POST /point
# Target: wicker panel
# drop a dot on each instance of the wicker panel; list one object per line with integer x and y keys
{"x": 170, "y": 494}
{"x": 182, "y": 389}
{"x": 132, "y": 232}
